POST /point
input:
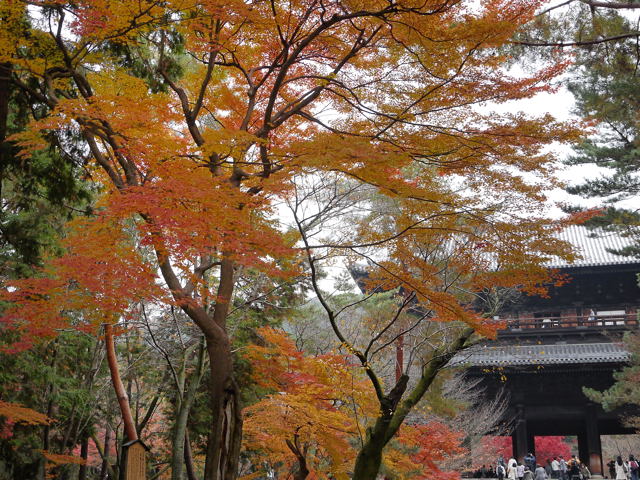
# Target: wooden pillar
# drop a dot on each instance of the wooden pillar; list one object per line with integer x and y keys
{"x": 572, "y": 316}
{"x": 519, "y": 436}
{"x": 592, "y": 436}
{"x": 531, "y": 444}
{"x": 583, "y": 450}
{"x": 522, "y": 317}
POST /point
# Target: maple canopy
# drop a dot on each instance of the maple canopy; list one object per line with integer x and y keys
{"x": 194, "y": 118}
{"x": 318, "y": 409}
{"x": 194, "y": 121}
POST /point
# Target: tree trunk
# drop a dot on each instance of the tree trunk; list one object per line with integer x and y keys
{"x": 394, "y": 410}
{"x": 123, "y": 400}
{"x": 369, "y": 458}
{"x": 105, "y": 460}
{"x": 5, "y": 84}
{"x": 84, "y": 453}
{"x": 300, "y": 453}
{"x": 46, "y": 431}
{"x": 188, "y": 458}
{"x": 180, "y": 430}
{"x": 177, "y": 447}
{"x": 223, "y": 449}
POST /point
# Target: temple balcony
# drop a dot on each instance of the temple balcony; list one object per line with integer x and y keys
{"x": 595, "y": 324}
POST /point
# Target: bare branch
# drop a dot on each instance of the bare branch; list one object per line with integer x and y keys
{"x": 578, "y": 43}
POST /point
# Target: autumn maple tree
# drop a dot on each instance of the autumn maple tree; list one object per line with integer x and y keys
{"x": 546, "y": 448}
{"x": 442, "y": 281}
{"x": 306, "y": 422}
{"x": 193, "y": 120}
{"x": 15, "y": 413}
{"x": 12, "y": 414}
{"x": 316, "y": 413}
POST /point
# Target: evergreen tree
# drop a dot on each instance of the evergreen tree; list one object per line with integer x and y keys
{"x": 606, "y": 86}
{"x": 626, "y": 389}
{"x": 602, "y": 40}
{"x": 38, "y": 193}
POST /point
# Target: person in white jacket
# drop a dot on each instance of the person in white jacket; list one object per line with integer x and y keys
{"x": 512, "y": 465}
{"x": 555, "y": 468}
{"x": 520, "y": 471}
{"x": 621, "y": 469}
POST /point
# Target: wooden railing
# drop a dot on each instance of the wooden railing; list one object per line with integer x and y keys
{"x": 628, "y": 320}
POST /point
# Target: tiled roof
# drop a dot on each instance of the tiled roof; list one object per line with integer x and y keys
{"x": 555, "y": 354}
{"x": 593, "y": 246}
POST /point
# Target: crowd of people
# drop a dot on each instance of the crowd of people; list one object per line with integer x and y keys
{"x": 557, "y": 468}
{"x": 621, "y": 470}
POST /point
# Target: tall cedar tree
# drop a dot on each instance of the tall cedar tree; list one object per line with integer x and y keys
{"x": 199, "y": 116}
{"x": 37, "y": 195}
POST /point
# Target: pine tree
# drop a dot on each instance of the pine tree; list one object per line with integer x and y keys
{"x": 606, "y": 87}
